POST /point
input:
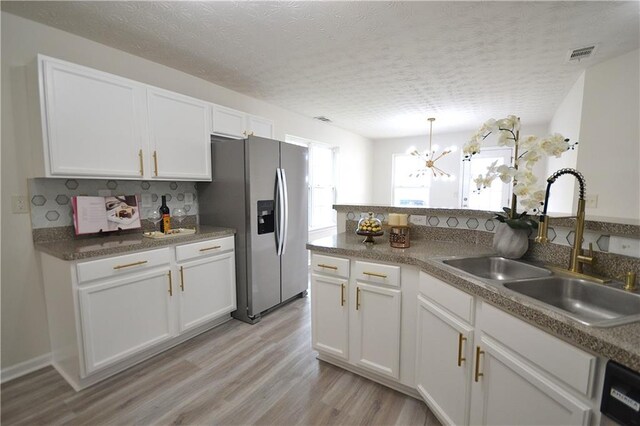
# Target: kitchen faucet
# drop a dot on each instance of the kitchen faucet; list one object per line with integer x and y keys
{"x": 577, "y": 258}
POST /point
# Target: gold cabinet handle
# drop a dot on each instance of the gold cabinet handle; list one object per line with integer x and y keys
{"x": 182, "y": 278}
{"x": 357, "y": 298}
{"x": 141, "y": 163}
{"x": 210, "y": 248}
{"x": 478, "y": 373}
{"x": 322, "y": 265}
{"x": 373, "y": 274}
{"x": 341, "y": 294}
{"x": 128, "y": 265}
{"x": 155, "y": 163}
{"x": 461, "y": 339}
{"x": 170, "y": 284}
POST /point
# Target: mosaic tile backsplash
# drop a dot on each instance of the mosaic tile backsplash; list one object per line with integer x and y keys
{"x": 601, "y": 242}
{"x": 50, "y": 199}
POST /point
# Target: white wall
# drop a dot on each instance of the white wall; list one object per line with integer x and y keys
{"x": 24, "y": 325}
{"x": 445, "y": 194}
{"x": 609, "y": 152}
{"x": 566, "y": 121}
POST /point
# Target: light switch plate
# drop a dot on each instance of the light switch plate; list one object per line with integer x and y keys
{"x": 19, "y": 204}
{"x": 591, "y": 201}
{"x": 188, "y": 198}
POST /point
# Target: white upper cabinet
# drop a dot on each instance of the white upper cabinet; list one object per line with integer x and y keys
{"x": 179, "y": 136}
{"x": 91, "y": 122}
{"x": 99, "y": 125}
{"x": 258, "y": 126}
{"x": 228, "y": 122}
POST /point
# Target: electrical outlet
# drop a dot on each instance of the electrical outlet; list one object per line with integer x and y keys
{"x": 591, "y": 201}
{"x": 624, "y": 246}
{"x": 19, "y": 204}
{"x": 418, "y": 220}
{"x": 188, "y": 198}
{"x": 146, "y": 200}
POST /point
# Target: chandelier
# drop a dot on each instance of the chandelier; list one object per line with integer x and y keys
{"x": 430, "y": 157}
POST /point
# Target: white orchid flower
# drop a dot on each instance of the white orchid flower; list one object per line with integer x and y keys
{"x": 506, "y": 139}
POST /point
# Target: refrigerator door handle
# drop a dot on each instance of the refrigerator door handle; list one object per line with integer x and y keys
{"x": 285, "y": 197}
{"x": 279, "y": 212}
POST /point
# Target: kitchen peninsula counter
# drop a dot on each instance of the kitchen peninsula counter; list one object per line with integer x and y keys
{"x": 86, "y": 248}
{"x": 619, "y": 343}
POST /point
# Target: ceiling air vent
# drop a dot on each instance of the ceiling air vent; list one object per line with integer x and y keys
{"x": 582, "y": 53}
{"x": 323, "y": 118}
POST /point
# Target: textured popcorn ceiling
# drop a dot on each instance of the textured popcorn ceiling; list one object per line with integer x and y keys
{"x": 376, "y": 68}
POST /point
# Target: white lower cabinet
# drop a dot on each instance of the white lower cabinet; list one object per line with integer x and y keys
{"x": 139, "y": 304}
{"x": 330, "y": 315}
{"x": 106, "y": 315}
{"x": 357, "y": 317}
{"x": 500, "y": 371}
{"x": 444, "y": 350}
{"x": 207, "y": 289}
{"x": 506, "y": 390}
{"x": 377, "y": 325}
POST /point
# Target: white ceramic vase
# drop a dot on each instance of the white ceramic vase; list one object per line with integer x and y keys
{"x": 510, "y": 243}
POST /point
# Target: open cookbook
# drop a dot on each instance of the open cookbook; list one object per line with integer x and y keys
{"x": 105, "y": 214}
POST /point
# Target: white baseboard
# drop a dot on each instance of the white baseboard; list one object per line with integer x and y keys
{"x": 24, "y": 367}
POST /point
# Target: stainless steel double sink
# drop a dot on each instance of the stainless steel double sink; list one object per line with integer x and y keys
{"x": 587, "y": 302}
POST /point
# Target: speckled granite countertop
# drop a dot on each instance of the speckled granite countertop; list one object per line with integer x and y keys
{"x": 619, "y": 343}
{"x": 85, "y": 248}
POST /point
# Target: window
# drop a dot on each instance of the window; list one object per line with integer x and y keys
{"x": 322, "y": 188}
{"x": 409, "y": 190}
{"x": 498, "y": 194}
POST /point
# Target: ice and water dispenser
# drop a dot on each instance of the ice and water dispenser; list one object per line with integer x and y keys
{"x": 266, "y": 219}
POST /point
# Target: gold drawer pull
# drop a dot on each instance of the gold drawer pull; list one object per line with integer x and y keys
{"x": 141, "y": 163}
{"x": 478, "y": 353}
{"x": 182, "y": 278}
{"x": 373, "y": 274}
{"x": 170, "y": 284}
{"x": 461, "y": 339}
{"x": 210, "y": 248}
{"x": 322, "y": 265}
{"x": 341, "y": 294}
{"x": 357, "y": 298}
{"x": 128, "y": 265}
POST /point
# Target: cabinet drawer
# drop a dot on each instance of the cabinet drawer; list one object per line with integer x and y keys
{"x": 378, "y": 273}
{"x": 119, "y": 265}
{"x": 455, "y": 301}
{"x": 204, "y": 248}
{"x": 571, "y": 365}
{"x": 329, "y": 265}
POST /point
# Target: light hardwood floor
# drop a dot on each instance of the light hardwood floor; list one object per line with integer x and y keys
{"x": 236, "y": 374}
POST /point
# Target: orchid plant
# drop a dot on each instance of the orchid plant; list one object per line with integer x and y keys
{"x": 528, "y": 150}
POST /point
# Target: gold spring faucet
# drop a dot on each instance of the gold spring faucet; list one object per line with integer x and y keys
{"x": 577, "y": 258}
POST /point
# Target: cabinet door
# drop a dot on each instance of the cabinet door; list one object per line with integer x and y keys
{"x": 92, "y": 122}
{"x": 207, "y": 289}
{"x": 126, "y": 316}
{"x": 228, "y": 122}
{"x": 180, "y": 138}
{"x": 377, "y": 324}
{"x": 258, "y": 126}
{"x": 443, "y": 362}
{"x": 510, "y": 391}
{"x": 330, "y": 315}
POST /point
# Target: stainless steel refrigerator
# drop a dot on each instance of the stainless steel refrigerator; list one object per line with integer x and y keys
{"x": 259, "y": 188}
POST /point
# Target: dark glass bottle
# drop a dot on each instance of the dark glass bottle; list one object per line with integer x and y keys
{"x": 165, "y": 225}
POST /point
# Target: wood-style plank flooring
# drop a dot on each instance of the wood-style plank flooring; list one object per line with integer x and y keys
{"x": 235, "y": 374}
